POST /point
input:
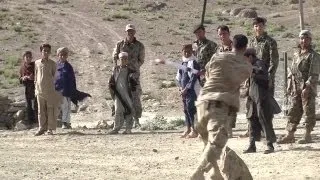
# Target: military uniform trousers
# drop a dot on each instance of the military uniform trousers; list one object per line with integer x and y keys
{"x": 47, "y": 114}
{"x": 212, "y": 126}
{"x": 300, "y": 107}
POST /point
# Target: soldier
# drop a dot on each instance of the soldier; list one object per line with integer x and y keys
{"x": 204, "y": 48}
{"x": 226, "y": 46}
{"x": 224, "y": 36}
{"x": 224, "y": 73}
{"x": 302, "y": 87}
{"x": 266, "y": 49}
{"x": 136, "y": 52}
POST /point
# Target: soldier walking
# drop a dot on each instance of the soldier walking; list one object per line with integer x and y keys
{"x": 136, "y": 54}
{"x": 224, "y": 74}
{"x": 266, "y": 48}
{"x": 204, "y": 48}
{"x": 302, "y": 87}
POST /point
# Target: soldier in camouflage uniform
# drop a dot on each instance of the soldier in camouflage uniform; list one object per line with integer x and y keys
{"x": 204, "y": 48}
{"x": 302, "y": 87}
{"x": 226, "y": 46}
{"x": 266, "y": 48}
{"x": 136, "y": 52}
{"x": 224, "y": 73}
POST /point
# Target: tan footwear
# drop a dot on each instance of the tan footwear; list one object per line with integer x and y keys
{"x": 289, "y": 138}
{"x": 306, "y": 138}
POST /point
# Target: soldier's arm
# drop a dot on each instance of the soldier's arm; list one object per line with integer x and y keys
{"x": 274, "y": 61}
{"x": 115, "y": 53}
{"x": 141, "y": 55}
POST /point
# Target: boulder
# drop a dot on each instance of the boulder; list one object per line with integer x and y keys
{"x": 103, "y": 124}
{"x": 236, "y": 11}
{"x": 19, "y": 115}
{"x": 248, "y": 13}
{"x": 232, "y": 166}
{"x": 20, "y": 126}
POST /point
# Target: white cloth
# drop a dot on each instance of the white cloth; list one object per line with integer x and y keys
{"x": 66, "y": 109}
{"x": 190, "y": 60}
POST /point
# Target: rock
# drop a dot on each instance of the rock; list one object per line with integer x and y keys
{"x": 103, "y": 124}
{"x": 270, "y": 2}
{"x": 6, "y": 122}
{"x": 155, "y": 6}
{"x": 226, "y": 12}
{"x": 154, "y": 150}
{"x": 248, "y": 13}
{"x": 19, "y": 115}
{"x": 236, "y": 11}
{"x": 232, "y": 166}
{"x": 176, "y": 158}
{"x": 20, "y": 126}
{"x": 14, "y": 109}
{"x": 167, "y": 84}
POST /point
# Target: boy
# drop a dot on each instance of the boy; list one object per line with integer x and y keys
{"x": 27, "y": 79}
{"x": 47, "y": 97}
{"x": 122, "y": 83}
{"x": 66, "y": 84}
{"x": 188, "y": 82}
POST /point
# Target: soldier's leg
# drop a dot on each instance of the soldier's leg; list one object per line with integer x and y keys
{"x": 217, "y": 138}
{"x": 136, "y": 98}
{"x": 294, "y": 116}
{"x": 310, "y": 119}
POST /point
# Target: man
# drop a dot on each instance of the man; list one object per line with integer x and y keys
{"x": 260, "y": 105}
{"x": 302, "y": 87}
{"x": 226, "y": 46}
{"x": 266, "y": 49}
{"x": 224, "y": 74}
{"x": 136, "y": 53}
{"x": 48, "y": 98}
{"x": 225, "y": 41}
{"x": 204, "y": 48}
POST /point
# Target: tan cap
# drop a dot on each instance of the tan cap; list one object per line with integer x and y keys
{"x": 123, "y": 54}
{"x": 130, "y": 26}
{"x": 305, "y": 33}
{"x": 62, "y": 50}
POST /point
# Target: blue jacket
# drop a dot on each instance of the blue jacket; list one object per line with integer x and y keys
{"x": 65, "y": 81}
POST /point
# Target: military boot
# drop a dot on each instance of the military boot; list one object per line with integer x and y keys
{"x": 252, "y": 147}
{"x": 306, "y": 138}
{"x": 289, "y": 138}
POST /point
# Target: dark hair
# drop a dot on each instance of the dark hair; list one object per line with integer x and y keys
{"x": 187, "y": 46}
{"x": 240, "y": 41}
{"x": 258, "y": 20}
{"x": 45, "y": 46}
{"x": 223, "y": 28}
{"x": 27, "y": 53}
{"x": 250, "y": 52}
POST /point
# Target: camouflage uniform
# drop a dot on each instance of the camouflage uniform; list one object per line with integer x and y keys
{"x": 233, "y": 112}
{"x": 136, "y": 54}
{"x": 267, "y": 50}
{"x": 224, "y": 73}
{"x": 305, "y": 70}
{"x": 204, "y": 51}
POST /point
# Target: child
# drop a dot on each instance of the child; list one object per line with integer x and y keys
{"x": 48, "y": 98}
{"x": 188, "y": 83}
{"x": 122, "y": 83}
{"x": 27, "y": 79}
{"x": 65, "y": 83}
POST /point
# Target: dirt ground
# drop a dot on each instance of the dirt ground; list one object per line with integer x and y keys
{"x": 91, "y": 29}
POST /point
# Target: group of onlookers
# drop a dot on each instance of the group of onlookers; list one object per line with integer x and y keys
{"x": 49, "y": 89}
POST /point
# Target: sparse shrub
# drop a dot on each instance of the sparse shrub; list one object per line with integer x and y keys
{"x": 120, "y": 16}
{"x": 17, "y": 27}
{"x": 107, "y": 19}
{"x": 208, "y": 21}
{"x": 158, "y": 123}
{"x": 155, "y": 44}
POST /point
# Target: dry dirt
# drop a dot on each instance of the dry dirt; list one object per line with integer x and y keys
{"x": 91, "y": 29}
